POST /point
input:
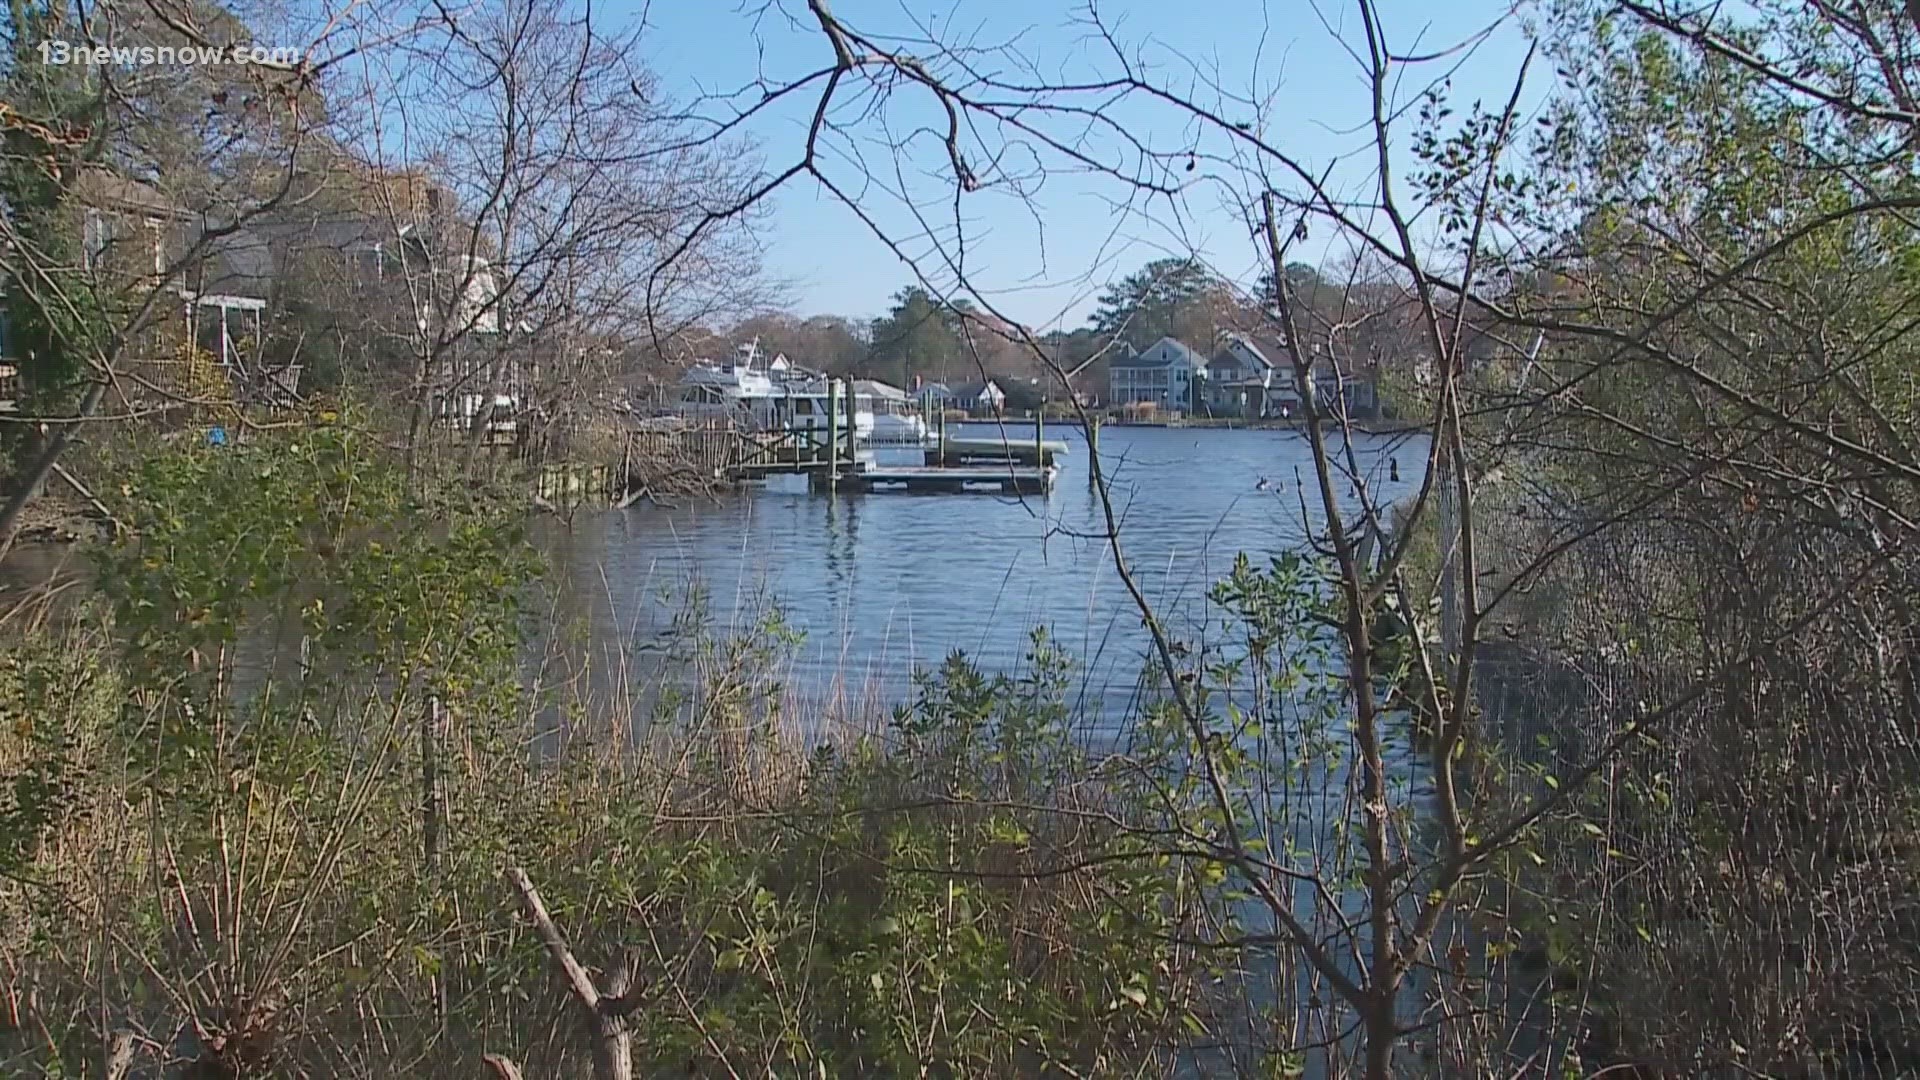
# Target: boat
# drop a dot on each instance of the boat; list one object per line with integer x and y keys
{"x": 780, "y": 396}
{"x": 897, "y": 429}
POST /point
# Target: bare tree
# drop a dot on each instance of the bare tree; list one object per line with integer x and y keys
{"x": 558, "y": 184}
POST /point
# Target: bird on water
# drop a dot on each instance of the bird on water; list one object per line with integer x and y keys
{"x": 1262, "y": 485}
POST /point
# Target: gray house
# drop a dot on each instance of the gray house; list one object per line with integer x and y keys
{"x": 1349, "y": 392}
{"x": 1162, "y": 375}
{"x": 979, "y": 398}
{"x": 1242, "y": 381}
{"x": 934, "y": 395}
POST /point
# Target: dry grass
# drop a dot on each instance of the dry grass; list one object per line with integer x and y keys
{"x": 264, "y": 906}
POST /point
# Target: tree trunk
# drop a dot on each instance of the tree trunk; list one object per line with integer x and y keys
{"x": 1383, "y": 1032}
{"x": 119, "y": 1057}
{"x": 606, "y": 1012}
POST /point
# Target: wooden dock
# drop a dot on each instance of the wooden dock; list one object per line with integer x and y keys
{"x": 727, "y": 453}
{"x": 830, "y": 459}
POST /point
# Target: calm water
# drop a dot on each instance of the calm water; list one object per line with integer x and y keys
{"x": 882, "y": 584}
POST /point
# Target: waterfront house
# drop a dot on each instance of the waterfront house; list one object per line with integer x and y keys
{"x": 1341, "y": 389}
{"x": 886, "y": 397}
{"x": 138, "y": 244}
{"x": 979, "y": 398}
{"x": 934, "y": 396}
{"x": 1162, "y": 375}
{"x": 385, "y": 271}
{"x": 1242, "y": 381}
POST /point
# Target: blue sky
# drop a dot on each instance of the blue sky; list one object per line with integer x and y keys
{"x": 1044, "y": 254}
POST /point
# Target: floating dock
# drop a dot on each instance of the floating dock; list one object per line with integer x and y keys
{"x": 935, "y": 480}
{"x": 994, "y": 450}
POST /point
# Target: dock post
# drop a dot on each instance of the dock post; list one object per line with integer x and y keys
{"x": 943, "y": 437}
{"x": 1093, "y": 447}
{"x": 1040, "y": 436}
{"x": 833, "y": 433}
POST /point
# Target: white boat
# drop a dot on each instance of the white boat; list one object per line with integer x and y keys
{"x": 895, "y": 429}
{"x": 780, "y": 397}
{"x": 894, "y": 419}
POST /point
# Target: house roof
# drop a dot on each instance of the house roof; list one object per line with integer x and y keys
{"x": 342, "y": 230}
{"x": 876, "y": 389}
{"x": 1158, "y": 355}
{"x": 937, "y": 389}
{"x": 101, "y": 187}
{"x": 1246, "y": 350}
{"x": 974, "y": 390}
{"x": 238, "y": 263}
{"x": 248, "y": 260}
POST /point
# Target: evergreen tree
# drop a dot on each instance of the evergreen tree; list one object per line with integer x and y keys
{"x": 1165, "y": 298}
{"x": 917, "y": 338}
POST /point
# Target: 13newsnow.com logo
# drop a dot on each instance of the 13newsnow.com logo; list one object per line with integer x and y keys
{"x": 61, "y": 53}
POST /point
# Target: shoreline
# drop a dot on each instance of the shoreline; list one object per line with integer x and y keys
{"x": 1369, "y": 426}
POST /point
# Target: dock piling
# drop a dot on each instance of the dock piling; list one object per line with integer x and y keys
{"x": 833, "y": 433}
{"x": 1093, "y": 449}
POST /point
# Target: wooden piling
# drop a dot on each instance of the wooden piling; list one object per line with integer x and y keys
{"x": 1093, "y": 449}
{"x": 833, "y": 433}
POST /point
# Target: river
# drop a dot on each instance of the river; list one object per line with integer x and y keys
{"x": 883, "y": 584}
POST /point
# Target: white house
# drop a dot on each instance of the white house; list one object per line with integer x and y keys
{"x": 979, "y": 397}
{"x": 1162, "y": 374}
